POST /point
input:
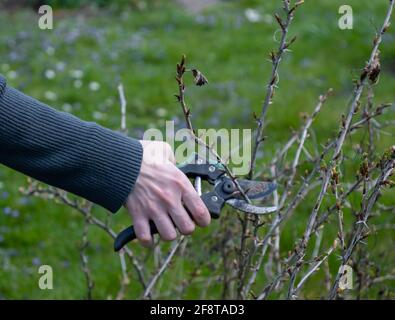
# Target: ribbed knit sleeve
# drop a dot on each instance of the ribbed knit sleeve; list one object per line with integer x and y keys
{"x": 63, "y": 151}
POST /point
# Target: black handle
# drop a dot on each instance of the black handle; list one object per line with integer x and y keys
{"x": 129, "y": 234}
{"x": 212, "y": 200}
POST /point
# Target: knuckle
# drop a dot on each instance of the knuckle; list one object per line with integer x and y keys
{"x": 142, "y": 235}
{"x": 151, "y": 210}
{"x": 170, "y": 202}
{"x": 173, "y": 206}
{"x": 202, "y": 215}
{"x": 167, "y": 198}
{"x": 188, "y": 229}
{"x": 169, "y": 237}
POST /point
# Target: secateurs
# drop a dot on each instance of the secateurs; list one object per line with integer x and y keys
{"x": 224, "y": 190}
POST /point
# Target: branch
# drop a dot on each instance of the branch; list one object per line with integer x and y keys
{"x": 387, "y": 166}
{"x": 314, "y": 268}
{"x": 276, "y": 58}
{"x": 162, "y": 269}
{"x": 84, "y": 261}
{"x": 181, "y": 69}
{"x": 124, "y": 278}
{"x": 34, "y": 189}
{"x": 366, "y": 76}
{"x": 279, "y": 216}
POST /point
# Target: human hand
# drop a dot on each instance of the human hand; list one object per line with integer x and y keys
{"x": 160, "y": 194}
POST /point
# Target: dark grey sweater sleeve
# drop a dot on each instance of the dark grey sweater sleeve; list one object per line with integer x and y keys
{"x": 63, "y": 151}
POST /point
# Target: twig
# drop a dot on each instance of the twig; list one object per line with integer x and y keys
{"x": 162, "y": 269}
{"x": 280, "y": 215}
{"x": 124, "y": 278}
{"x": 181, "y": 69}
{"x": 314, "y": 268}
{"x": 36, "y": 190}
{"x": 388, "y": 167}
{"x": 85, "y": 261}
{"x": 365, "y": 77}
{"x": 276, "y": 58}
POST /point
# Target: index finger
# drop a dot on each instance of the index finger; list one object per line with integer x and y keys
{"x": 195, "y": 205}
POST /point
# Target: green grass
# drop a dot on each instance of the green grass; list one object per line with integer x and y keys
{"x": 140, "y": 49}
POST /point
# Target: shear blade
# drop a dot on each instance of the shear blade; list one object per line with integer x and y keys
{"x": 249, "y": 208}
{"x": 256, "y": 189}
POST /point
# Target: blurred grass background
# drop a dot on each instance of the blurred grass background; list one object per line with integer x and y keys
{"x": 77, "y": 66}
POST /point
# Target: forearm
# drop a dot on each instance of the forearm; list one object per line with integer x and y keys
{"x": 59, "y": 149}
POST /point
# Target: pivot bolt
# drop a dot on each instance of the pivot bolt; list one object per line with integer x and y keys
{"x": 214, "y": 198}
{"x": 228, "y": 187}
{"x": 211, "y": 168}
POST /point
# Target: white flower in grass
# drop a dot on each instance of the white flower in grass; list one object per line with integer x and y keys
{"x": 252, "y": 15}
{"x": 94, "y": 86}
{"x": 50, "y": 74}
{"x": 161, "y": 112}
{"x": 12, "y": 74}
{"x": 51, "y": 96}
{"x": 60, "y": 66}
{"x": 97, "y": 115}
{"x": 67, "y": 107}
{"x": 77, "y": 84}
{"x": 50, "y": 51}
{"x": 77, "y": 74}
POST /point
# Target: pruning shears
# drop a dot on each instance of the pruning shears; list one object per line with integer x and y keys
{"x": 224, "y": 190}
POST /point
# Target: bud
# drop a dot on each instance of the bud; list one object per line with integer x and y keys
{"x": 200, "y": 79}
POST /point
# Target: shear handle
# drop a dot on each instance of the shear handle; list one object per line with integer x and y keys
{"x": 210, "y": 199}
{"x": 210, "y": 172}
{"x": 214, "y": 202}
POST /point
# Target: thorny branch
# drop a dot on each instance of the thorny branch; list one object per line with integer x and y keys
{"x": 163, "y": 267}
{"x": 361, "y": 229}
{"x": 200, "y": 80}
{"x": 306, "y": 172}
{"x": 276, "y": 58}
{"x": 370, "y": 73}
{"x": 34, "y": 189}
{"x": 280, "y": 216}
{"x": 84, "y": 261}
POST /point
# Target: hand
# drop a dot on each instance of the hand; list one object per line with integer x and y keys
{"x": 160, "y": 194}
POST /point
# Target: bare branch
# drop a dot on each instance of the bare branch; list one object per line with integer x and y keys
{"x": 164, "y": 266}
{"x": 276, "y": 58}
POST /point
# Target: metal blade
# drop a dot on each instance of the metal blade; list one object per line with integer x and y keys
{"x": 257, "y": 189}
{"x": 244, "y": 206}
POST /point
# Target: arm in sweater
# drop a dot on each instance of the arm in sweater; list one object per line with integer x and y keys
{"x": 99, "y": 165}
{"x": 59, "y": 149}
